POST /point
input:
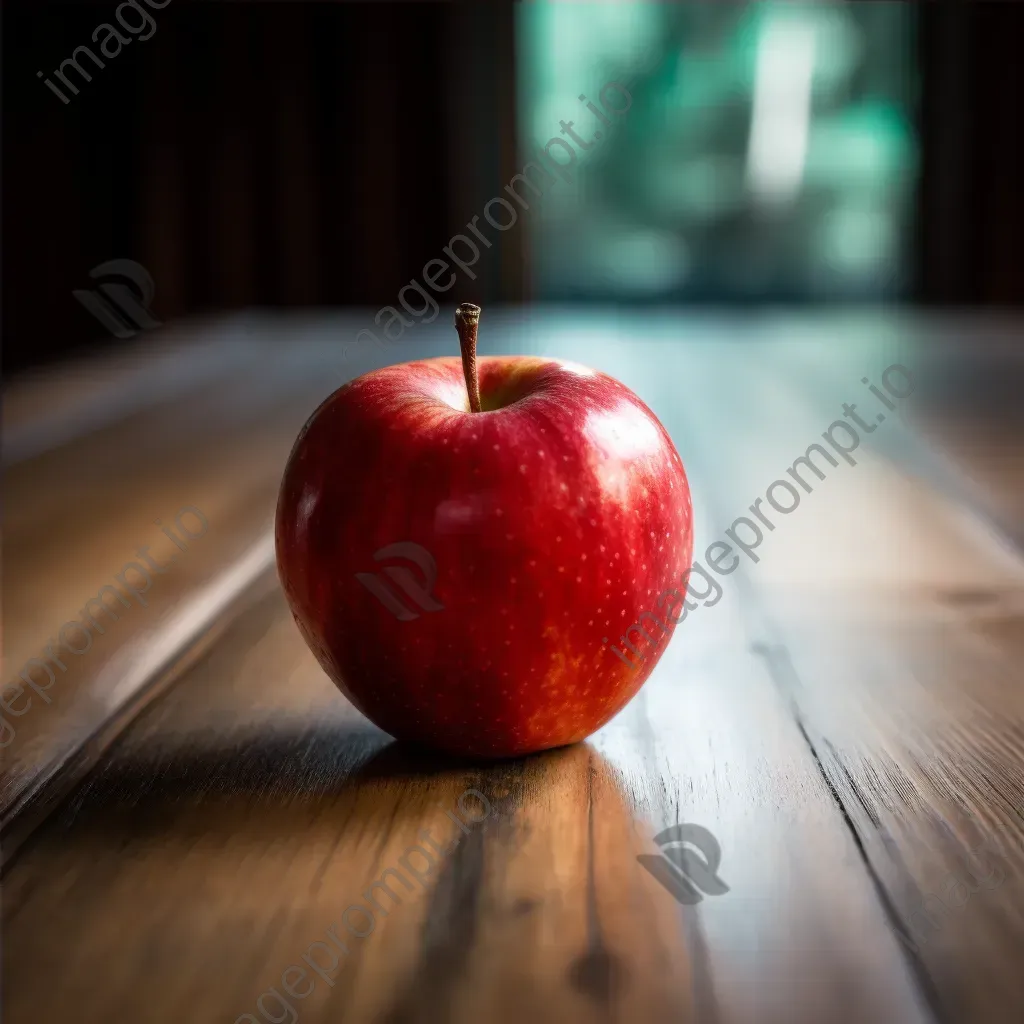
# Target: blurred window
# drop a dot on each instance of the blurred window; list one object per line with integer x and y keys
{"x": 769, "y": 151}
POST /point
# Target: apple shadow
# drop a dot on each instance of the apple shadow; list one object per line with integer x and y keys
{"x": 204, "y": 782}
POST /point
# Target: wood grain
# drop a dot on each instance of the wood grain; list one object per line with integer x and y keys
{"x": 892, "y": 620}
{"x": 845, "y": 720}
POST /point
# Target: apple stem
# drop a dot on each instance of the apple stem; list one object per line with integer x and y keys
{"x": 467, "y": 317}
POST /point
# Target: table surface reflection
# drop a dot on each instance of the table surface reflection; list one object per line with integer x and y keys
{"x": 191, "y": 834}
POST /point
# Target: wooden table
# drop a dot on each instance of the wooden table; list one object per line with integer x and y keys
{"x": 197, "y": 809}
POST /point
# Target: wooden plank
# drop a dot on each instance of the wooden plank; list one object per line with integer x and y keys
{"x": 251, "y": 806}
{"x": 77, "y": 515}
{"x": 891, "y": 608}
{"x": 238, "y": 818}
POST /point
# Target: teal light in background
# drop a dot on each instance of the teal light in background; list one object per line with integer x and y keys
{"x": 769, "y": 151}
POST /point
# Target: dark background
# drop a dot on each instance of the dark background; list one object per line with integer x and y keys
{"x": 296, "y": 154}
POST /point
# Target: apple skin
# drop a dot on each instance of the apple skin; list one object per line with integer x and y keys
{"x": 555, "y": 520}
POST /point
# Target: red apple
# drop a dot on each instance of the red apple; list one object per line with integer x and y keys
{"x": 463, "y": 576}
